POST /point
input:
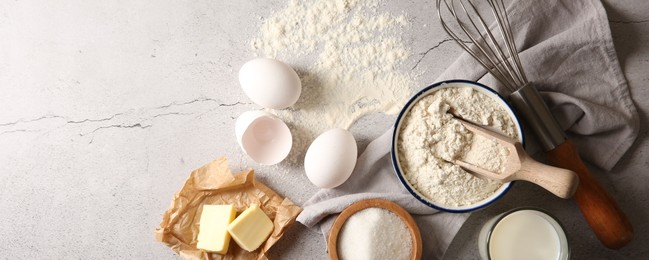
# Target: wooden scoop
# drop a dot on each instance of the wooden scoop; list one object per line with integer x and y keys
{"x": 520, "y": 166}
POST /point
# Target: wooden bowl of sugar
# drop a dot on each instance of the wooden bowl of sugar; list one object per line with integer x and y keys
{"x": 374, "y": 228}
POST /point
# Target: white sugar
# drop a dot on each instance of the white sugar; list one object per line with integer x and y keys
{"x": 374, "y": 233}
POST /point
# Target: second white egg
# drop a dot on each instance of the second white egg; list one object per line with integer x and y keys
{"x": 331, "y": 158}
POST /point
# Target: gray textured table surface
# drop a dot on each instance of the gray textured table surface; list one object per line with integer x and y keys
{"x": 106, "y": 107}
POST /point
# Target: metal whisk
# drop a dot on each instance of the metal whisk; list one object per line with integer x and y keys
{"x": 494, "y": 48}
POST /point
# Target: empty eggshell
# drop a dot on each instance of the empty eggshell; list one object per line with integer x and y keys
{"x": 270, "y": 83}
{"x": 263, "y": 137}
{"x": 331, "y": 158}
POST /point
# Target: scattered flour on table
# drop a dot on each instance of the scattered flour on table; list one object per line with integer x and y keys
{"x": 374, "y": 233}
{"x": 429, "y": 137}
{"x": 353, "y": 63}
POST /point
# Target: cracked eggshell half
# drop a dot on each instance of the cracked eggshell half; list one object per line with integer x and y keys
{"x": 263, "y": 137}
{"x": 331, "y": 158}
{"x": 270, "y": 83}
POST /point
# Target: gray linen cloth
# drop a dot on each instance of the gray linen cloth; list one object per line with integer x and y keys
{"x": 567, "y": 51}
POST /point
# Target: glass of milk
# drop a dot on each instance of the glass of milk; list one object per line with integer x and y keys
{"x": 523, "y": 233}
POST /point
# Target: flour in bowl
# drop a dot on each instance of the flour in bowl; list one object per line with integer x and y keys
{"x": 429, "y": 137}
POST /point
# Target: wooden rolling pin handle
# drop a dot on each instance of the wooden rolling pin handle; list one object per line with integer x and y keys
{"x": 601, "y": 212}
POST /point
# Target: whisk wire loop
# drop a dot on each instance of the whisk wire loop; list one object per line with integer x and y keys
{"x": 500, "y": 58}
{"x": 510, "y": 37}
{"x": 478, "y": 55}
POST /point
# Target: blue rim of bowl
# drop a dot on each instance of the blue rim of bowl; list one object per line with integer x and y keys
{"x": 393, "y": 154}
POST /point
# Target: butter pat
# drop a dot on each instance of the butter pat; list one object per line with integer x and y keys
{"x": 251, "y": 228}
{"x": 213, "y": 235}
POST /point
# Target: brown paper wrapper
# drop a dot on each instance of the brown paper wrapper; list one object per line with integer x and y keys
{"x": 215, "y": 184}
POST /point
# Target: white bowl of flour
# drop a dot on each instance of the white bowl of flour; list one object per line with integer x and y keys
{"x": 426, "y": 139}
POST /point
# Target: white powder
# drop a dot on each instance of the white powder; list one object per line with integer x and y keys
{"x": 429, "y": 137}
{"x": 354, "y": 59}
{"x": 374, "y": 233}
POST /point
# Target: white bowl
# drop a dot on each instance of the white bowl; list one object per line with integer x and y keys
{"x": 406, "y": 109}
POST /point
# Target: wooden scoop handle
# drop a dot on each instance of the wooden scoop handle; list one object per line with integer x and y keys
{"x": 601, "y": 212}
{"x": 559, "y": 181}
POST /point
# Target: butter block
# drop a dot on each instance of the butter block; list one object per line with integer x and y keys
{"x": 251, "y": 228}
{"x": 213, "y": 235}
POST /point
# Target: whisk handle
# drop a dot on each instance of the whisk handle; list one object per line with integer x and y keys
{"x": 609, "y": 223}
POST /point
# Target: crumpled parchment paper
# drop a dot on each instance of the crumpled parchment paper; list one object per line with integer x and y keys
{"x": 215, "y": 184}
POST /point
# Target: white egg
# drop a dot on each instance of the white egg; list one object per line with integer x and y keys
{"x": 331, "y": 158}
{"x": 270, "y": 83}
